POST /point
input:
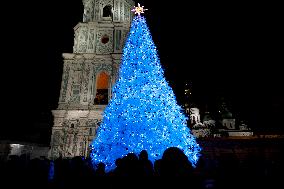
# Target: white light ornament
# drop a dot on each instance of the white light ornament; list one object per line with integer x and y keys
{"x": 138, "y": 10}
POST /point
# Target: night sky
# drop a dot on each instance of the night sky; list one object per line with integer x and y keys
{"x": 229, "y": 50}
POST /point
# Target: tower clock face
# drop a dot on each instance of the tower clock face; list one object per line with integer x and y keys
{"x": 105, "y": 39}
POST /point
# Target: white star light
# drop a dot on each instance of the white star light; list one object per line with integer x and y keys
{"x": 138, "y": 10}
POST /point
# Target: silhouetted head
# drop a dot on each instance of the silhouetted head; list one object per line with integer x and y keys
{"x": 131, "y": 157}
{"x": 101, "y": 166}
{"x": 175, "y": 163}
{"x": 174, "y": 154}
{"x": 143, "y": 155}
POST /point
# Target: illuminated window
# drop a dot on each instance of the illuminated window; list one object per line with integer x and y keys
{"x": 102, "y": 87}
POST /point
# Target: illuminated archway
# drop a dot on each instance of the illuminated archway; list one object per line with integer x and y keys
{"x": 102, "y": 89}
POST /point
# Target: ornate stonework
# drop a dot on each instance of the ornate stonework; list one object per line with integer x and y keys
{"x": 73, "y": 131}
{"x": 93, "y": 10}
{"x": 98, "y": 43}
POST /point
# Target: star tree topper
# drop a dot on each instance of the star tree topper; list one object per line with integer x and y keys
{"x": 138, "y": 10}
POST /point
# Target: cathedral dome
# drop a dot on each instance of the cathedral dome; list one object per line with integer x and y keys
{"x": 207, "y": 117}
{"x": 227, "y": 115}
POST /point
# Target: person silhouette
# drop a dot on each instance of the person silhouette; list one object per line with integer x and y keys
{"x": 145, "y": 165}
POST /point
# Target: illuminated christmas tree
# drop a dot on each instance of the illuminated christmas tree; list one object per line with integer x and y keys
{"x": 143, "y": 113}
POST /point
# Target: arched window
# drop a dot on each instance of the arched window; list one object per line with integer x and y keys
{"x": 107, "y": 11}
{"x": 102, "y": 87}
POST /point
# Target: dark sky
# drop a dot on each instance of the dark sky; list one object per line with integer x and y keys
{"x": 229, "y": 49}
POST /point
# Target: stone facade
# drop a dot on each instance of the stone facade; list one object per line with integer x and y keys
{"x": 194, "y": 116}
{"x": 229, "y": 123}
{"x": 97, "y": 50}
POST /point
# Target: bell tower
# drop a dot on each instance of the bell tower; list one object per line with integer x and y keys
{"x": 89, "y": 73}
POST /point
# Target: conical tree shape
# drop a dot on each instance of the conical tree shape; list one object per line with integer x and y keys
{"x": 143, "y": 113}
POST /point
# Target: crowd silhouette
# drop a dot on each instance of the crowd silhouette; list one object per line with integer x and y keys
{"x": 173, "y": 168}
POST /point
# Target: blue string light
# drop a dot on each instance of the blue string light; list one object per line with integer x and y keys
{"x": 143, "y": 113}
